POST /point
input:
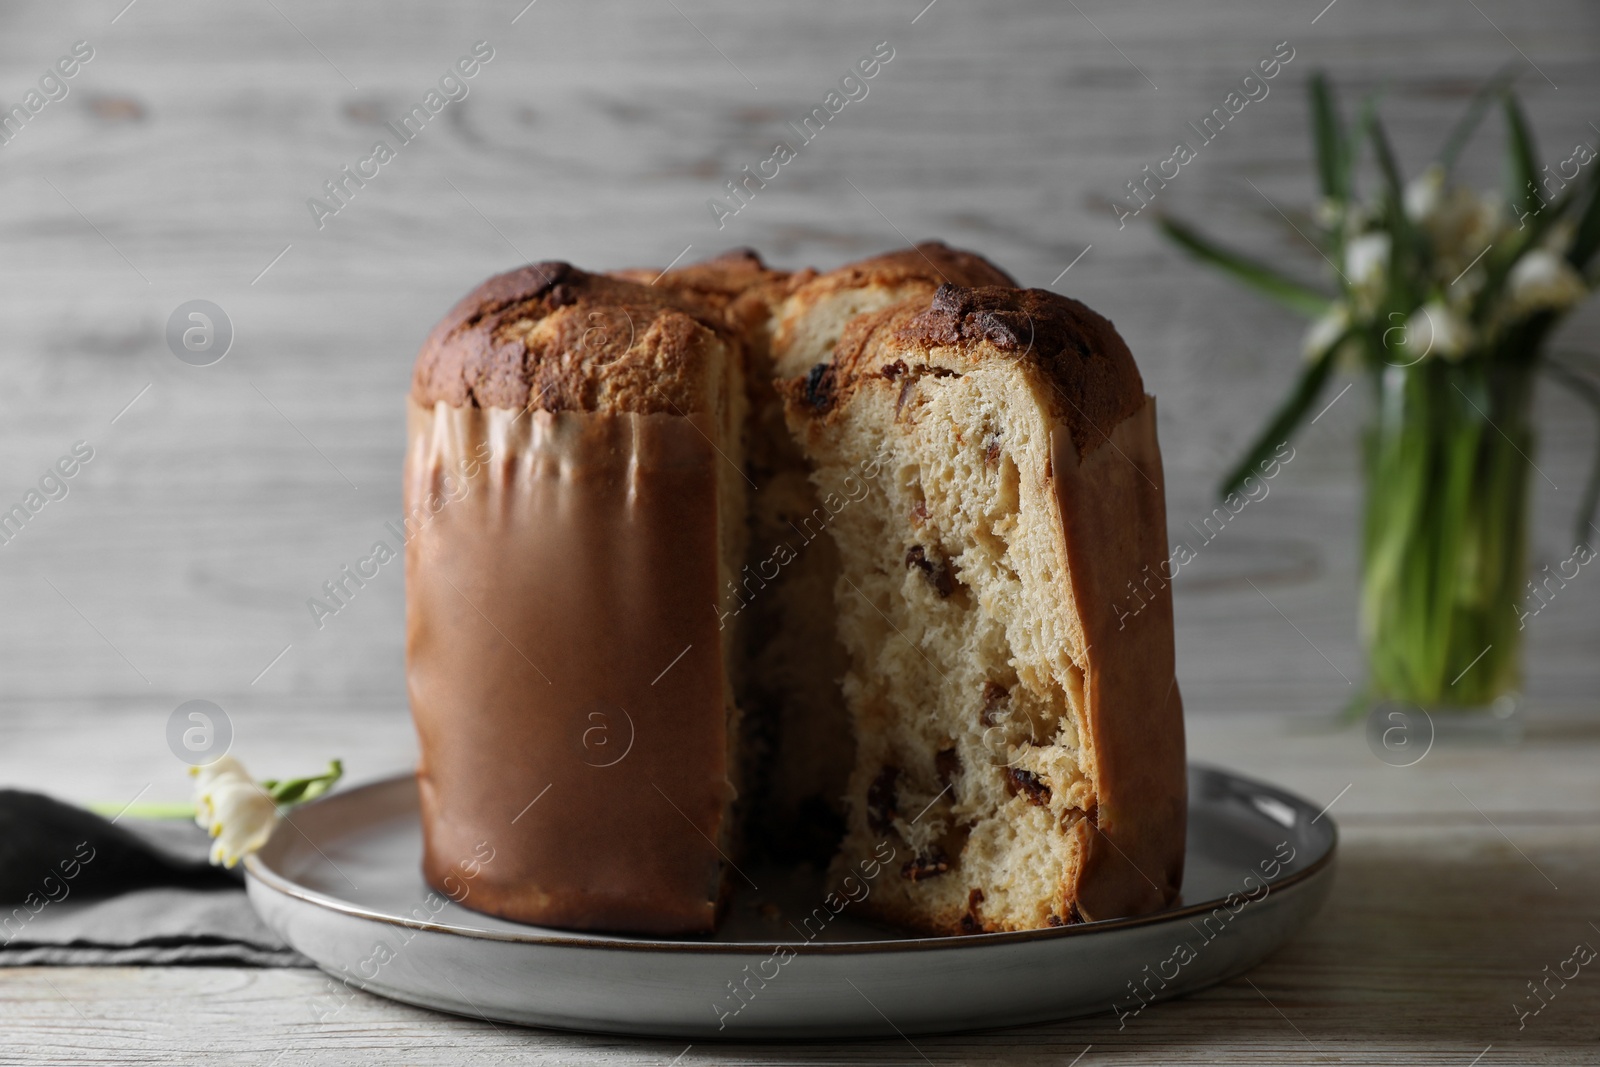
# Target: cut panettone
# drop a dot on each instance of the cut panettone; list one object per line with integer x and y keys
{"x": 725, "y": 563}
{"x": 1019, "y": 746}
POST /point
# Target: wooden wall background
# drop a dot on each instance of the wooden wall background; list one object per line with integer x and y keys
{"x": 179, "y": 167}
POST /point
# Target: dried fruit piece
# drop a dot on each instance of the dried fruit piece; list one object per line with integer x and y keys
{"x": 936, "y": 571}
{"x": 948, "y": 764}
{"x": 930, "y": 864}
{"x": 1028, "y": 784}
{"x": 819, "y": 387}
{"x": 970, "y": 923}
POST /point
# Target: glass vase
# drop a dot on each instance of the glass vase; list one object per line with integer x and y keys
{"x": 1444, "y": 549}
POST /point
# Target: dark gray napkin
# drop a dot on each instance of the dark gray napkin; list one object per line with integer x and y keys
{"x": 77, "y": 889}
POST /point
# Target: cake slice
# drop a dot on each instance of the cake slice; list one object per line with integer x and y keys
{"x": 576, "y": 515}
{"x": 1018, "y": 745}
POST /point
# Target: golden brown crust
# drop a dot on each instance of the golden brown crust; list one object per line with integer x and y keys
{"x": 819, "y": 310}
{"x": 1093, "y": 380}
{"x": 555, "y": 338}
{"x": 736, "y": 284}
{"x": 931, "y": 262}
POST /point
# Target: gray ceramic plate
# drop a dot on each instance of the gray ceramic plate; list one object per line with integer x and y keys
{"x": 342, "y": 885}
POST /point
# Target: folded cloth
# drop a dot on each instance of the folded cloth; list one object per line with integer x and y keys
{"x": 77, "y": 889}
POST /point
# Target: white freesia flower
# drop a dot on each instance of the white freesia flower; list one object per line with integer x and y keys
{"x": 1436, "y": 330}
{"x": 1459, "y": 224}
{"x": 233, "y": 809}
{"x": 1542, "y": 280}
{"x": 1463, "y": 226}
{"x": 1424, "y": 193}
{"x": 1366, "y": 259}
{"x": 1326, "y": 330}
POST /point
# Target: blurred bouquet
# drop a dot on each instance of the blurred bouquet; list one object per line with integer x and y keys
{"x": 1446, "y": 297}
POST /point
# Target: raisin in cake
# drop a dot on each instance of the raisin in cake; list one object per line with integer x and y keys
{"x": 1019, "y": 746}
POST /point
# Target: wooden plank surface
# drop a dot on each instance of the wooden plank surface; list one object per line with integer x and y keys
{"x": 179, "y": 166}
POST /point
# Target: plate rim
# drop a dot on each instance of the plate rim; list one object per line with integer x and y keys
{"x": 257, "y": 870}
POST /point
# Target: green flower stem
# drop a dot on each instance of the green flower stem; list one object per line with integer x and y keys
{"x": 1445, "y": 542}
{"x": 111, "y": 809}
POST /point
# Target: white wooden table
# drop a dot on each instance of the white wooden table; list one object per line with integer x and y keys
{"x": 179, "y": 165}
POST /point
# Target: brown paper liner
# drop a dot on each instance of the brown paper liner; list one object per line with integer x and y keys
{"x": 564, "y": 664}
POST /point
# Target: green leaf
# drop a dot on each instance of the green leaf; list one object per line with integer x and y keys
{"x": 1587, "y": 237}
{"x": 299, "y": 790}
{"x": 1366, "y": 115}
{"x": 1406, "y": 245}
{"x": 1394, "y": 188}
{"x": 1287, "y": 418}
{"x": 1328, "y": 135}
{"x": 1264, "y": 279}
{"x": 1520, "y": 156}
{"x": 1476, "y": 109}
{"x": 1587, "y": 391}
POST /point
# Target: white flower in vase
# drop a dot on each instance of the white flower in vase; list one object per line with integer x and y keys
{"x": 1435, "y": 329}
{"x": 1446, "y": 274}
{"x": 1366, "y": 260}
{"x": 1543, "y": 281}
{"x": 1424, "y": 193}
{"x": 1460, "y": 225}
